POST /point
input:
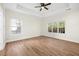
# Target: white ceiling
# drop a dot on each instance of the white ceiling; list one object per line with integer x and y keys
{"x": 29, "y": 8}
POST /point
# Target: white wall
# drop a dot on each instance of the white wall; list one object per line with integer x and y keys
{"x": 30, "y": 26}
{"x": 2, "y": 26}
{"x": 33, "y": 26}
{"x": 71, "y": 19}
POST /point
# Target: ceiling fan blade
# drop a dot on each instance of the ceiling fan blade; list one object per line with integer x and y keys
{"x": 47, "y": 4}
{"x": 40, "y": 9}
{"x": 37, "y": 6}
{"x": 46, "y": 8}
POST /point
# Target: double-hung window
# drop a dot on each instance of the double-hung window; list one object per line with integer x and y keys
{"x": 15, "y": 26}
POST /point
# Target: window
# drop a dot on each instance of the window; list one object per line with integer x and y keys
{"x": 15, "y": 26}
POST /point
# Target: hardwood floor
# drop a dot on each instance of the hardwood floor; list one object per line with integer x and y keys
{"x": 2, "y": 52}
{"x": 42, "y": 46}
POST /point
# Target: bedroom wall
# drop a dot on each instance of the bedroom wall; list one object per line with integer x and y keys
{"x": 2, "y": 27}
{"x": 30, "y": 26}
{"x": 33, "y": 26}
{"x": 71, "y": 19}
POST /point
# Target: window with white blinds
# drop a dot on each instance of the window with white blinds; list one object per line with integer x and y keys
{"x": 15, "y": 26}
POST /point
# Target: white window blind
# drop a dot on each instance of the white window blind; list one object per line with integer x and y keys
{"x": 15, "y": 26}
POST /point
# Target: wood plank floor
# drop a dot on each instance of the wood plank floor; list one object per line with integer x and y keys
{"x": 2, "y": 52}
{"x": 42, "y": 46}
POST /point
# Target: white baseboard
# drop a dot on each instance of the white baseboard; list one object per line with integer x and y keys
{"x": 63, "y": 39}
{"x": 2, "y": 47}
{"x": 20, "y": 39}
{"x": 43, "y": 35}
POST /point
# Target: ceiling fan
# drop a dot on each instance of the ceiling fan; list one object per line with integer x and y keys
{"x": 43, "y": 5}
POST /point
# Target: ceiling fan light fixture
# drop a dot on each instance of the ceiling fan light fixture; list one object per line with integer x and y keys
{"x": 43, "y": 6}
